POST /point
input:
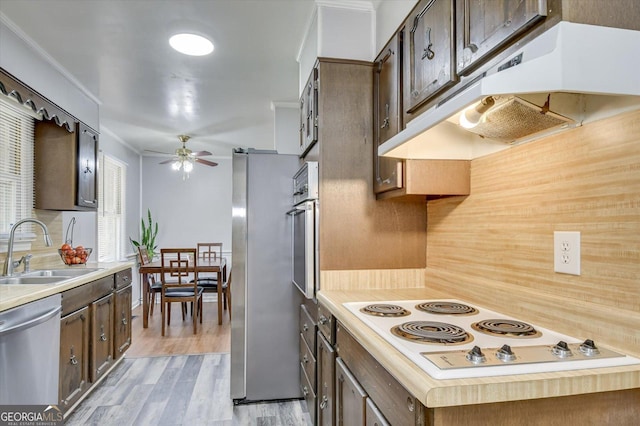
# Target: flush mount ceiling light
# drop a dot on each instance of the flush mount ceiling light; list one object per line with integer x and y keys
{"x": 191, "y": 44}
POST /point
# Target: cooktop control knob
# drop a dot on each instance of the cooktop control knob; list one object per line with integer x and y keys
{"x": 505, "y": 354}
{"x": 561, "y": 350}
{"x": 476, "y": 356}
{"x": 588, "y": 348}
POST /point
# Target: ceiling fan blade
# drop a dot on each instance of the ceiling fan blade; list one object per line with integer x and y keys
{"x": 200, "y": 153}
{"x": 167, "y": 161}
{"x": 207, "y": 162}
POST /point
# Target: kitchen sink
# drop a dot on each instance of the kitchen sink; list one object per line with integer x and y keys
{"x": 32, "y": 280}
{"x": 47, "y": 276}
{"x": 61, "y": 272}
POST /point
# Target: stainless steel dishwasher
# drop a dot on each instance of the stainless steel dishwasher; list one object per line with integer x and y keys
{"x": 30, "y": 353}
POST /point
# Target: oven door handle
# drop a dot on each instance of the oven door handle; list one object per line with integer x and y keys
{"x": 300, "y": 208}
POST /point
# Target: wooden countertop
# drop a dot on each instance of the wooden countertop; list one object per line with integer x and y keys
{"x": 15, "y": 295}
{"x": 453, "y": 392}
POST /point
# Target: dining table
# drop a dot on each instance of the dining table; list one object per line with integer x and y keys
{"x": 211, "y": 265}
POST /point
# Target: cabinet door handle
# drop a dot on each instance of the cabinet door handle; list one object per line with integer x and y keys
{"x": 124, "y": 319}
{"x": 323, "y": 320}
{"x": 305, "y": 359}
{"x": 89, "y": 201}
{"x": 305, "y": 391}
{"x": 72, "y": 358}
{"x": 385, "y": 122}
{"x": 323, "y": 403}
{"x": 428, "y": 53}
{"x": 305, "y": 327}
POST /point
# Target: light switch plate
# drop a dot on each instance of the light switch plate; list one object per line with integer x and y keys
{"x": 566, "y": 252}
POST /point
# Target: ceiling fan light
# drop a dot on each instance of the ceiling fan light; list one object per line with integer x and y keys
{"x": 188, "y": 166}
{"x": 176, "y": 165}
{"x": 191, "y": 44}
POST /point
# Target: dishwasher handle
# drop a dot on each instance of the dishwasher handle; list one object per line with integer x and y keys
{"x": 31, "y": 322}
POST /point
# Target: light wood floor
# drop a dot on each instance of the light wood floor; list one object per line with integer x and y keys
{"x": 178, "y": 390}
{"x": 179, "y": 379}
{"x": 179, "y": 338}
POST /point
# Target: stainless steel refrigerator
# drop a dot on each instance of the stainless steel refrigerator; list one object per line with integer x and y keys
{"x": 265, "y": 304}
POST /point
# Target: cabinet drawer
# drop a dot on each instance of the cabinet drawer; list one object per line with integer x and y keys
{"x": 326, "y": 323}
{"x": 308, "y": 394}
{"x": 395, "y": 403}
{"x": 308, "y": 361}
{"x": 308, "y": 328}
{"x": 123, "y": 279}
{"x": 79, "y": 297}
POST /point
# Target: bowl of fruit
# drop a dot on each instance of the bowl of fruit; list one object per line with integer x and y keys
{"x": 74, "y": 255}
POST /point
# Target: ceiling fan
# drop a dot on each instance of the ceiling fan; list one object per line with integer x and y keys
{"x": 184, "y": 158}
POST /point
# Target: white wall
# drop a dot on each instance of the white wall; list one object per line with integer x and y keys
{"x": 390, "y": 14}
{"x": 22, "y": 59}
{"x": 194, "y": 210}
{"x": 286, "y": 118}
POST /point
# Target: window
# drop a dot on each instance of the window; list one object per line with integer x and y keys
{"x": 111, "y": 210}
{"x": 16, "y": 167}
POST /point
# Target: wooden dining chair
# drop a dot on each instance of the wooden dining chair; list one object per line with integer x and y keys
{"x": 179, "y": 283}
{"x": 228, "y": 293}
{"x": 210, "y": 250}
{"x": 153, "y": 287}
{"x": 209, "y": 282}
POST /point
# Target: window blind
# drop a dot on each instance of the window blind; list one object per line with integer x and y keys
{"x": 111, "y": 225}
{"x": 16, "y": 167}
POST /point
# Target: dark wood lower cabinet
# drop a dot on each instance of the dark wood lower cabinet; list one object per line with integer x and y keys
{"x": 350, "y": 397}
{"x": 326, "y": 382}
{"x": 122, "y": 322}
{"x": 95, "y": 332}
{"x": 373, "y": 416}
{"x": 74, "y": 357}
{"x": 101, "y": 345}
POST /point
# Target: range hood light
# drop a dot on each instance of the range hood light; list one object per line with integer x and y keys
{"x": 473, "y": 115}
{"x": 544, "y": 87}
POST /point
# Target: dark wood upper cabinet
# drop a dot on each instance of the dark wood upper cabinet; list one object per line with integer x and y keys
{"x": 87, "y": 160}
{"x": 483, "y": 27}
{"x": 65, "y": 167}
{"x": 309, "y": 114}
{"x": 387, "y": 120}
{"x": 429, "y": 47}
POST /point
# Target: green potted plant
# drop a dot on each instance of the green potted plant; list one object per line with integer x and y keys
{"x": 148, "y": 235}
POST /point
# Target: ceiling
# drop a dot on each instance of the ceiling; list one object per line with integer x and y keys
{"x": 118, "y": 51}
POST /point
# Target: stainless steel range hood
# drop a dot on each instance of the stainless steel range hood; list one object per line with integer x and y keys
{"x": 568, "y": 76}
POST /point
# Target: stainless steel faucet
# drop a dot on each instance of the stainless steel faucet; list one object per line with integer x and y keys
{"x": 9, "y": 264}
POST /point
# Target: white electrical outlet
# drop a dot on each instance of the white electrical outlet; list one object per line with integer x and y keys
{"x": 566, "y": 252}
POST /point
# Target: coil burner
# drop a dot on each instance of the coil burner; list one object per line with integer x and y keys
{"x": 506, "y": 328}
{"x": 385, "y": 310}
{"x": 446, "y": 308}
{"x": 432, "y": 332}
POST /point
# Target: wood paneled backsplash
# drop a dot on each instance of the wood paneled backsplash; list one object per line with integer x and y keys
{"x": 586, "y": 180}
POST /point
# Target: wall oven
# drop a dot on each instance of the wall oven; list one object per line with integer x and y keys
{"x": 304, "y": 219}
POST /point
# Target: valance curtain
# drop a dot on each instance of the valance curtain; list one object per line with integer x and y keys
{"x": 14, "y": 88}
